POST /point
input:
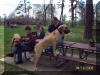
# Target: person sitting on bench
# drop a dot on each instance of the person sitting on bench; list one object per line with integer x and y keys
{"x": 27, "y": 45}
{"x": 55, "y": 23}
{"x": 42, "y": 33}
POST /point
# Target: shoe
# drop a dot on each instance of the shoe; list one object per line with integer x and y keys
{"x": 31, "y": 59}
{"x": 47, "y": 52}
{"x": 10, "y": 55}
{"x": 19, "y": 62}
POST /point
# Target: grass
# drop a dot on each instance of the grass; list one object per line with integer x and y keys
{"x": 1, "y": 48}
{"x": 76, "y": 35}
{"x": 1, "y": 41}
{"x": 8, "y": 67}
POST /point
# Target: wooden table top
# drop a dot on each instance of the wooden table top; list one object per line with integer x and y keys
{"x": 76, "y": 45}
{"x": 79, "y": 45}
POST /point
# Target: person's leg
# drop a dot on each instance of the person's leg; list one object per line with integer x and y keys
{"x": 60, "y": 44}
{"x": 14, "y": 50}
{"x": 26, "y": 48}
{"x": 20, "y": 49}
{"x": 49, "y": 50}
{"x": 19, "y": 52}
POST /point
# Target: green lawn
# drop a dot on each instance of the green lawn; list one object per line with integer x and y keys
{"x": 1, "y": 47}
{"x": 76, "y": 35}
{"x": 1, "y": 41}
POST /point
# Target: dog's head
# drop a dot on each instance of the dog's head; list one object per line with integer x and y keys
{"x": 63, "y": 29}
{"x": 16, "y": 38}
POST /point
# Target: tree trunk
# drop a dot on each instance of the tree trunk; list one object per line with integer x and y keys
{"x": 44, "y": 15}
{"x": 52, "y": 12}
{"x": 75, "y": 18}
{"x": 83, "y": 19}
{"x": 61, "y": 16}
{"x": 72, "y": 13}
{"x": 25, "y": 5}
{"x": 88, "y": 19}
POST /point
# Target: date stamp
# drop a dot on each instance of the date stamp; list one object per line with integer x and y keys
{"x": 85, "y": 68}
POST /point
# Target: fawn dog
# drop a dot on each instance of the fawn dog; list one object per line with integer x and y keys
{"x": 52, "y": 39}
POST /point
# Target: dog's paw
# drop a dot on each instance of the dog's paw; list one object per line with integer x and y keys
{"x": 55, "y": 54}
{"x": 35, "y": 69}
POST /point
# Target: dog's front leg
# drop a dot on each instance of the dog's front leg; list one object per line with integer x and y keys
{"x": 14, "y": 57}
{"x": 54, "y": 48}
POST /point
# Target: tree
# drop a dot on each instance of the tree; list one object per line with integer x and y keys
{"x": 44, "y": 13}
{"x": 64, "y": 18}
{"x": 98, "y": 15}
{"x": 52, "y": 9}
{"x": 88, "y": 19}
{"x": 49, "y": 9}
{"x": 81, "y": 12}
{"x": 62, "y": 7}
{"x": 98, "y": 22}
{"x": 72, "y": 11}
{"x": 23, "y": 8}
{"x": 44, "y": 18}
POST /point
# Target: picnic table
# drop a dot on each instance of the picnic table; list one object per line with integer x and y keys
{"x": 82, "y": 48}
{"x": 84, "y": 51}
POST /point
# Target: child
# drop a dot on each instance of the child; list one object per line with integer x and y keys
{"x": 42, "y": 33}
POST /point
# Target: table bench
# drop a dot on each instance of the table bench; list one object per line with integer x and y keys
{"x": 89, "y": 62}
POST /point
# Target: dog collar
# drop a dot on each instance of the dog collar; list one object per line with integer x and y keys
{"x": 59, "y": 31}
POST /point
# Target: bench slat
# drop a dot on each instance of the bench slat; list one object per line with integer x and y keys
{"x": 73, "y": 59}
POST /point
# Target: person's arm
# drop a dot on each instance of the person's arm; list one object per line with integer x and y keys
{"x": 41, "y": 35}
{"x": 49, "y": 29}
{"x": 23, "y": 38}
{"x": 31, "y": 39}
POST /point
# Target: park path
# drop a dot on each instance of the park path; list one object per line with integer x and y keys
{"x": 44, "y": 64}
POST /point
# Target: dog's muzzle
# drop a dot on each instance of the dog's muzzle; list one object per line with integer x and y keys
{"x": 67, "y": 31}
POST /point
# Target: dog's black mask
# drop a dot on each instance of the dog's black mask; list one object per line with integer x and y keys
{"x": 67, "y": 31}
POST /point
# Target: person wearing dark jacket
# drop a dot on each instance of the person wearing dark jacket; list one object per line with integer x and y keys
{"x": 54, "y": 25}
{"x": 42, "y": 33}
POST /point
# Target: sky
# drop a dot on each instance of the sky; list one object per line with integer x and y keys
{"x": 8, "y": 6}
